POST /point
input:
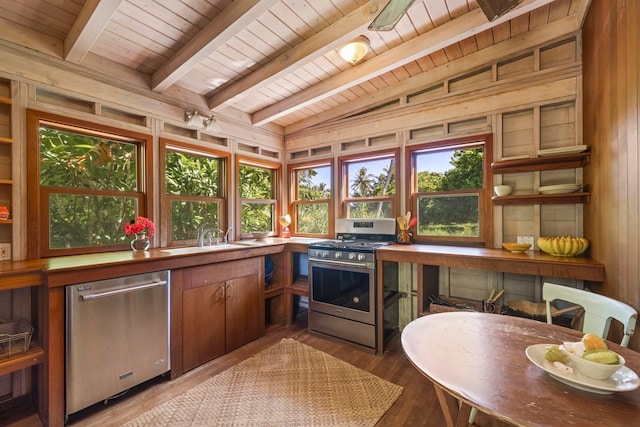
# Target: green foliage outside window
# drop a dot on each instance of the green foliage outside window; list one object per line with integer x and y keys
{"x": 81, "y": 176}
{"x": 363, "y": 184}
{"x": 257, "y": 192}
{"x": 314, "y": 184}
{"x": 449, "y": 214}
{"x": 193, "y": 182}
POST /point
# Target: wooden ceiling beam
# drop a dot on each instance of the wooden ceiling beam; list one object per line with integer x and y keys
{"x": 93, "y": 18}
{"x": 504, "y": 49}
{"x": 223, "y": 28}
{"x": 336, "y": 34}
{"x": 467, "y": 25}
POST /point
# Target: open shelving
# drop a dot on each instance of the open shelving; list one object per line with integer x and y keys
{"x": 567, "y": 161}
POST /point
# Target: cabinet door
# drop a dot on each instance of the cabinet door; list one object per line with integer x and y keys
{"x": 203, "y": 334}
{"x": 242, "y": 311}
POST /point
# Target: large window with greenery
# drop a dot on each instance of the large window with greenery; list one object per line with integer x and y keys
{"x": 448, "y": 191}
{"x": 195, "y": 189}
{"x": 90, "y": 181}
{"x": 258, "y": 191}
{"x": 368, "y": 185}
{"x": 312, "y": 198}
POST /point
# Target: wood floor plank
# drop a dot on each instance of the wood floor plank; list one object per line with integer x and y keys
{"x": 417, "y": 406}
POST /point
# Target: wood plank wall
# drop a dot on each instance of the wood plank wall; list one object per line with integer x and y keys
{"x": 611, "y": 35}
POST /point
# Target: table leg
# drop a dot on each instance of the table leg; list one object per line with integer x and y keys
{"x": 456, "y": 414}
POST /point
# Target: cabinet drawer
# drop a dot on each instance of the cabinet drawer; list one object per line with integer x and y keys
{"x": 205, "y": 275}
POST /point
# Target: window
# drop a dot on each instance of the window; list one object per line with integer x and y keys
{"x": 368, "y": 185}
{"x": 90, "y": 179}
{"x": 193, "y": 193}
{"x": 312, "y": 199}
{"x": 448, "y": 191}
{"x": 258, "y": 184}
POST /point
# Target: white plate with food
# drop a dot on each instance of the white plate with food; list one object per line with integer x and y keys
{"x": 574, "y": 149}
{"x": 559, "y": 189}
{"x": 624, "y": 379}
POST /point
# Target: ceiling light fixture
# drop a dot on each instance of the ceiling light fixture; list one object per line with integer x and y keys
{"x": 355, "y": 50}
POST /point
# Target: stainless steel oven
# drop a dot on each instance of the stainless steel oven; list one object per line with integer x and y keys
{"x": 342, "y": 277}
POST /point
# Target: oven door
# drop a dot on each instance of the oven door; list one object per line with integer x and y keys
{"x": 342, "y": 290}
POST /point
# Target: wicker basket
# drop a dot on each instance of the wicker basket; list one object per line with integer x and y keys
{"x": 15, "y": 336}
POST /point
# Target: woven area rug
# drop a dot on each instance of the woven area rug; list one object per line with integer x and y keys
{"x": 288, "y": 384}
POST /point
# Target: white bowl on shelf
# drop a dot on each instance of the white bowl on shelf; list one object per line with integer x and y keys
{"x": 502, "y": 190}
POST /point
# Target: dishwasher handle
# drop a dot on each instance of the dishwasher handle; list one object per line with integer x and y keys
{"x": 134, "y": 287}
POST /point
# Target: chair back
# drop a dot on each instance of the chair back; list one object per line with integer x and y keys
{"x": 598, "y": 310}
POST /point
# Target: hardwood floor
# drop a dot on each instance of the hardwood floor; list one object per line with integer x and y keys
{"x": 417, "y": 406}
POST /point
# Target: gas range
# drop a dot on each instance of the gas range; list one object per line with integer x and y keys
{"x": 343, "y": 282}
{"x": 357, "y": 240}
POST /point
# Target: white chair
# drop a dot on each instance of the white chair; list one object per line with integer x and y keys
{"x": 598, "y": 312}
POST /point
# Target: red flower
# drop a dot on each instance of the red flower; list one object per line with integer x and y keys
{"x": 413, "y": 221}
{"x": 140, "y": 225}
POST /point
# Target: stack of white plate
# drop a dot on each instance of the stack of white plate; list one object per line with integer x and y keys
{"x": 559, "y": 189}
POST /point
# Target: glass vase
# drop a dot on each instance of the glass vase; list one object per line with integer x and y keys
{"x": 140, "y": 243}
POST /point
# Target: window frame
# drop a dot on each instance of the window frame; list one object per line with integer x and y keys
{"x": 343, "y": 180}
{"x": 167, "y": 144}
{"x": 485, "y": 208}
{"x": 38, "y": 234}
{"x": 276, "y": 201}
{"x": 294, "y": 202}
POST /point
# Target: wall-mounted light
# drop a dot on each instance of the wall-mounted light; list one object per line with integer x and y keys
{"x": 355, "y": 50}
{"x": 211, "y": 124}
{"x": 195, "y": 120}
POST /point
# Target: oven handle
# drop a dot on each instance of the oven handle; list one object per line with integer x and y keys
{"x": 345, "y": 263}
{"x": 132, "y": 288}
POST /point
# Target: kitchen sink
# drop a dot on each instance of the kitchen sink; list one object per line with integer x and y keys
{"x": 250, "y": 242}
{"x": 195, "y": 249}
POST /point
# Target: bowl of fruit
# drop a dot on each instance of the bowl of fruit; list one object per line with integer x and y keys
{"x": 592, "y": 358}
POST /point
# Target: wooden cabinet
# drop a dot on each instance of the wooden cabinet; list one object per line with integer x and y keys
{"x": 20, "y": 372}
{"x": 570, "y": 161}
{"x": 289, "y": 282}
{"x": 221, "y": 309}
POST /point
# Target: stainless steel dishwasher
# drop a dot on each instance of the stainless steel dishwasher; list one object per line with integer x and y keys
{"x": 117, "y": 336}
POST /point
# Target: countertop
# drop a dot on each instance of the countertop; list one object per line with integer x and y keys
{"x": 535, "y": 263}
{"x": 65, "y": 270}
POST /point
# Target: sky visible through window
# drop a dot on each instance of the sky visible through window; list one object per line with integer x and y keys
{"x": 439, "y": 161}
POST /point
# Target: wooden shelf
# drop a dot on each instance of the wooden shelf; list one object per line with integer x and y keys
{"x": 273, "y": 290}
{"x": 6, "y": 221}
{"x": 542, "y": 199}
{"x": 6, "y": 140}
{"x": 16, "y": 362}
{"x": 569, "y": 161}
{"x": 6, "y": 181}
{"x": 300, "y": 286}
{"x": 5, "y": 100}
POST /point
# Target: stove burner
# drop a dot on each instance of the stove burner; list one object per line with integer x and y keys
{"x": 369, "y": 245}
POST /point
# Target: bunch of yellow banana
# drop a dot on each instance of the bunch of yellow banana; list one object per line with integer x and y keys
{"x": 563, "y": 246}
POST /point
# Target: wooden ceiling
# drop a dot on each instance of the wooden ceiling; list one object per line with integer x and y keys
{"x": 274, "y": 60}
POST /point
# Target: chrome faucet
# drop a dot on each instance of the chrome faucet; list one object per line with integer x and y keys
{"x": 221, "y": 237}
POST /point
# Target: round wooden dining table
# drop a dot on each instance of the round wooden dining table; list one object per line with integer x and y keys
{"x": 480, "y": 360}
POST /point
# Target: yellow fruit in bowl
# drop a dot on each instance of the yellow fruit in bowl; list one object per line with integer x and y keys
{"x": 593, "y": 342}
